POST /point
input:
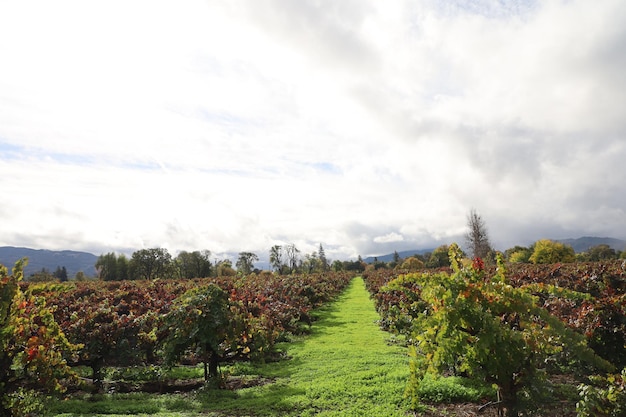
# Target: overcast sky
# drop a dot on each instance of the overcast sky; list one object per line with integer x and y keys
{"x": 366, "y": 126}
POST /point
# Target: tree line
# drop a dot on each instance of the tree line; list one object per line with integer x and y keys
{"x": 155, "y": 263}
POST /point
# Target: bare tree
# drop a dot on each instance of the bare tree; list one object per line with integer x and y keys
{"x": 292, "y": 254}
{"x": 477, "y": 238}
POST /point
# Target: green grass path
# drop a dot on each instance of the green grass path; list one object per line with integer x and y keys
{"x": 345, "y": 367}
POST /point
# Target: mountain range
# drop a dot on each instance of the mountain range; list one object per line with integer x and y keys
{"x": 582, "y": 244}
{"x": 39, "y": 259}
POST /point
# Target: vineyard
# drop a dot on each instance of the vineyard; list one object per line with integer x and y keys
{"x": 526, "y": 330}
{"x": 145, "y": 323}
{"x": 518, "y": 327}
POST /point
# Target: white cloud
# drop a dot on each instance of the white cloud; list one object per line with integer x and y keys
{"x": 389, "y": 238}
{"x": 365, "y": 126}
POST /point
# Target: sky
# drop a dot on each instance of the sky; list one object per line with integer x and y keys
{"x": 361, "y": 125}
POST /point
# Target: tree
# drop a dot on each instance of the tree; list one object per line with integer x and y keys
{"x": 337, "y": 265}
{"x": 518, "y": 254}
{"x": 200, "y": 319}
{"x": 245, "y": 262}
{"x": 439, "y": 258}
{"x": 321, "y": 254}
{"x": 358, "y": 266}
{"x": 61, "y": 274}
{"x": 32, "y": 345}
{"x": 292, "y": 254}
{"x": 487, "y": 329}
{"x": 123, "y": 267}
{"x": 548, "y": 252}
{"x": 110, "y": 267}
{"x": 477, "y": 238}
{"x": 601, "y": 252}
{"x": 225, "y": 269}
{"x": 412, "y": 264}
{"x": 150, "y": 263}
{"x": 276, "y": 258}
{"x": 396, "y": 261}
{"x": 194, "y": 264}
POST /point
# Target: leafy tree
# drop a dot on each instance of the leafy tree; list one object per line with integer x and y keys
{"x": 150, "y": 263}
{"x": 225, "y": 269}
{"x": 359, "y": 265}
{"x": 412, "y": 264}
{"x": 310, "y": 263}
{"x": 276, "y": 258}
{"x": 477, "y": 237}
{"x": 337, "y": 266}
{"x": 245, "y": 262}
{"x": 518, "y": 254}
{"x": 61, "y": 274}
{"x": 194, "y": 264}
{"x": 123, "y": 267}
{"x": 200, "y": 320}
{"x": 548, "y": 252}
{"x": 32, "y": 345}
{"x": 106, "y": 266}
{"x": 111, "y": 267}
{"x": 439, "y": 257}
{"x": 487, "y": 329}
{"x": 601, "y": 252}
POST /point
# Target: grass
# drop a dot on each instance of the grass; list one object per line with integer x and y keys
{"x": 345, "y": 367}
{"x": 452, "y": 389}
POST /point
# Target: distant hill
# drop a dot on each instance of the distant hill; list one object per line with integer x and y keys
{"x": 403, "y": 255}
{"x": 73, "y": 261}
{"x": 582, "y": 244}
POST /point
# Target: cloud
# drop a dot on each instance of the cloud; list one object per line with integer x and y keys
{"x": 368, "y": 127}
{"x": 389, "y": 238}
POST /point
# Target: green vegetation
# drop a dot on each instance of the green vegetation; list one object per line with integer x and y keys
{"x": 549, "y": 252}
{"x": 32, "y": 347}
{"x": 605, "y": 396}
{"x": 345, "y": 367}
{"x": 474, "y": 323}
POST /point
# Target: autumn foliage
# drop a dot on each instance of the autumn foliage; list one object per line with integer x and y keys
{"x": 210, "y": 320}
{"x": 34, "y": 351}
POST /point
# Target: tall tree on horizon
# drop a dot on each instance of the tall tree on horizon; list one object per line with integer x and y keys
{"x": 276, "y": 258}
{"x": 477, "y": 238}
{"x": 245, "y": 263}
{"x": 323, "y": 259}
